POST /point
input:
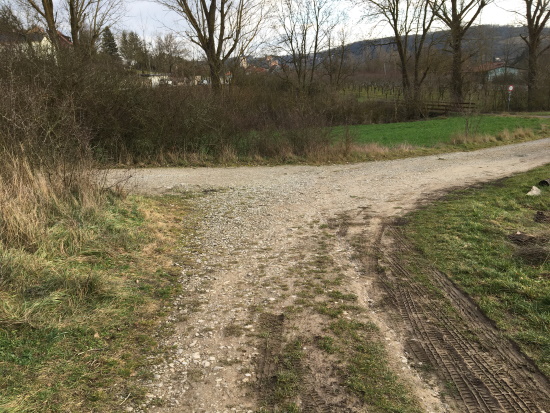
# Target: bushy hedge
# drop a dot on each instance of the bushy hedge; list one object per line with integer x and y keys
{"x": 120, "y": 119}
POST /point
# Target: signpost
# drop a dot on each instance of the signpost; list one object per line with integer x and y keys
{"x": 510, "y": 89}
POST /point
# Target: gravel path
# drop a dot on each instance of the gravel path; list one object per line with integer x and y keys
{"x": 258, "y": 222}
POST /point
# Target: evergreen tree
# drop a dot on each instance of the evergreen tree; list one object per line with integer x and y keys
{"x": 133, "y": 50}
{"x": 108, "y": 44}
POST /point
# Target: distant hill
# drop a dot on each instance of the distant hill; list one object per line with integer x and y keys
{"x": 486, "y": 42}
{"x": 482, "y": 44}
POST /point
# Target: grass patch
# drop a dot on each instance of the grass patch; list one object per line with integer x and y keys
{"x": 467, "y": 235}
{"x": 326, "y": 343}
{"x": 432, "y": 132}
{"x": 282, "y": 386}
{"x": 77, "y": 325}
{"x": 358, "y": 143}
{"x": 287, "y": 378}
{"x": 367, "y": 372}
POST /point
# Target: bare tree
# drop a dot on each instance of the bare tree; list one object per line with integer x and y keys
{"x": 304, "y": 28}
{"x": 89, "y": 19}
{"x": 168, "y": 51}
{"x": 336, "y": 62}
{"x": 220, "y": 28}
{"x": 537, "y": 13}
{"x": 458, "y": 16}
{"x": 410, "y": 21}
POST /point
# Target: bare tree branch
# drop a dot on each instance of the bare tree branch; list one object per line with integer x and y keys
{"x": 219, "y": 27}
{"x": 304, "y": 27}
{"x": 458, "y": 16}
{"x": 410, "y": 21}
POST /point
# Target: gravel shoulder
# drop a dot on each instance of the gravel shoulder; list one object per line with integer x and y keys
{"x": 259, "y": 225}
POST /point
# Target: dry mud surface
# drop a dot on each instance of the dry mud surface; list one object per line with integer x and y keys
{"x": 262, "y": 226}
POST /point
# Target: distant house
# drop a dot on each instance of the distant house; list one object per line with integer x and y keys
{"x": 272, "y": 62}
{"x": 492, "y": 70}
{"x": 255, "y": 69}
{"x": 259, "y": 66}
{"x": 36, "y": 38}
{"x": 156, "y": 79}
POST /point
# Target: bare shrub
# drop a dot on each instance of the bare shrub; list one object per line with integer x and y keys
{"x": 183, "y": 125}
{"x": 47, "y": 176}
{"x": 109, "y": 112}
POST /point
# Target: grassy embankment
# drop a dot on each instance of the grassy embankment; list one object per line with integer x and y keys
{"x": 396, "y": 140}
{"x": 466, "y": 235}
{"x": 82, "y": 300}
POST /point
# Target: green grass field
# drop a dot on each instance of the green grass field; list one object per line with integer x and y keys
{"x": 466, "y": 236}
{"x": 429, "y": 133}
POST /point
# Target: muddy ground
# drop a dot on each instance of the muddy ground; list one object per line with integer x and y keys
{"x": 276, "y": 244}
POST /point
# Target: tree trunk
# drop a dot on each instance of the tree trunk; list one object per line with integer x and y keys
{"x": 532, "y": 75}
{"x": 75, "y": 26}
{"x": 456, "y": 69}
{"x": 49, "y": 16}
{"x": 408, "y": 95}
{"x": 215, "y": 73}
{"x": 531, "y": 80}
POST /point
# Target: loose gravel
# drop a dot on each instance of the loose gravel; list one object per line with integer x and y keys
{"x": 256, "y": 220}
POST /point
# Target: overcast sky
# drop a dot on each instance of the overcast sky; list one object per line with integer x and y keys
{"x": 148, "y": 18}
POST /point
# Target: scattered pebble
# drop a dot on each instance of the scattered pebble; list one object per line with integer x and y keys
{"x": 230, "y": 267}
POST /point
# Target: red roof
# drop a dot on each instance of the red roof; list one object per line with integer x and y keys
{"x": 487, "y": 67}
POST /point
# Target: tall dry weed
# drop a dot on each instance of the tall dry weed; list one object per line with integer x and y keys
{"x": 47, "y": 178}
{"x": 35, "y": 198}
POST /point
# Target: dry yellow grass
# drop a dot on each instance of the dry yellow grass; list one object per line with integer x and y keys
{"x": 34, "y": 198}
{"x": 520, "y": 134}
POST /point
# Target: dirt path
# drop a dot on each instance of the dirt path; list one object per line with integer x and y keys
{"x": 265, "y": 229}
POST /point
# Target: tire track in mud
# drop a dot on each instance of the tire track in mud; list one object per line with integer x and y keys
{"x": 318, "y": 386}
{"x": 272, "y": 326}
{"x": 485, "y": 370}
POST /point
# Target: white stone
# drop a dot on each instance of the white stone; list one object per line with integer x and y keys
{"x": 534, "y": 191}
